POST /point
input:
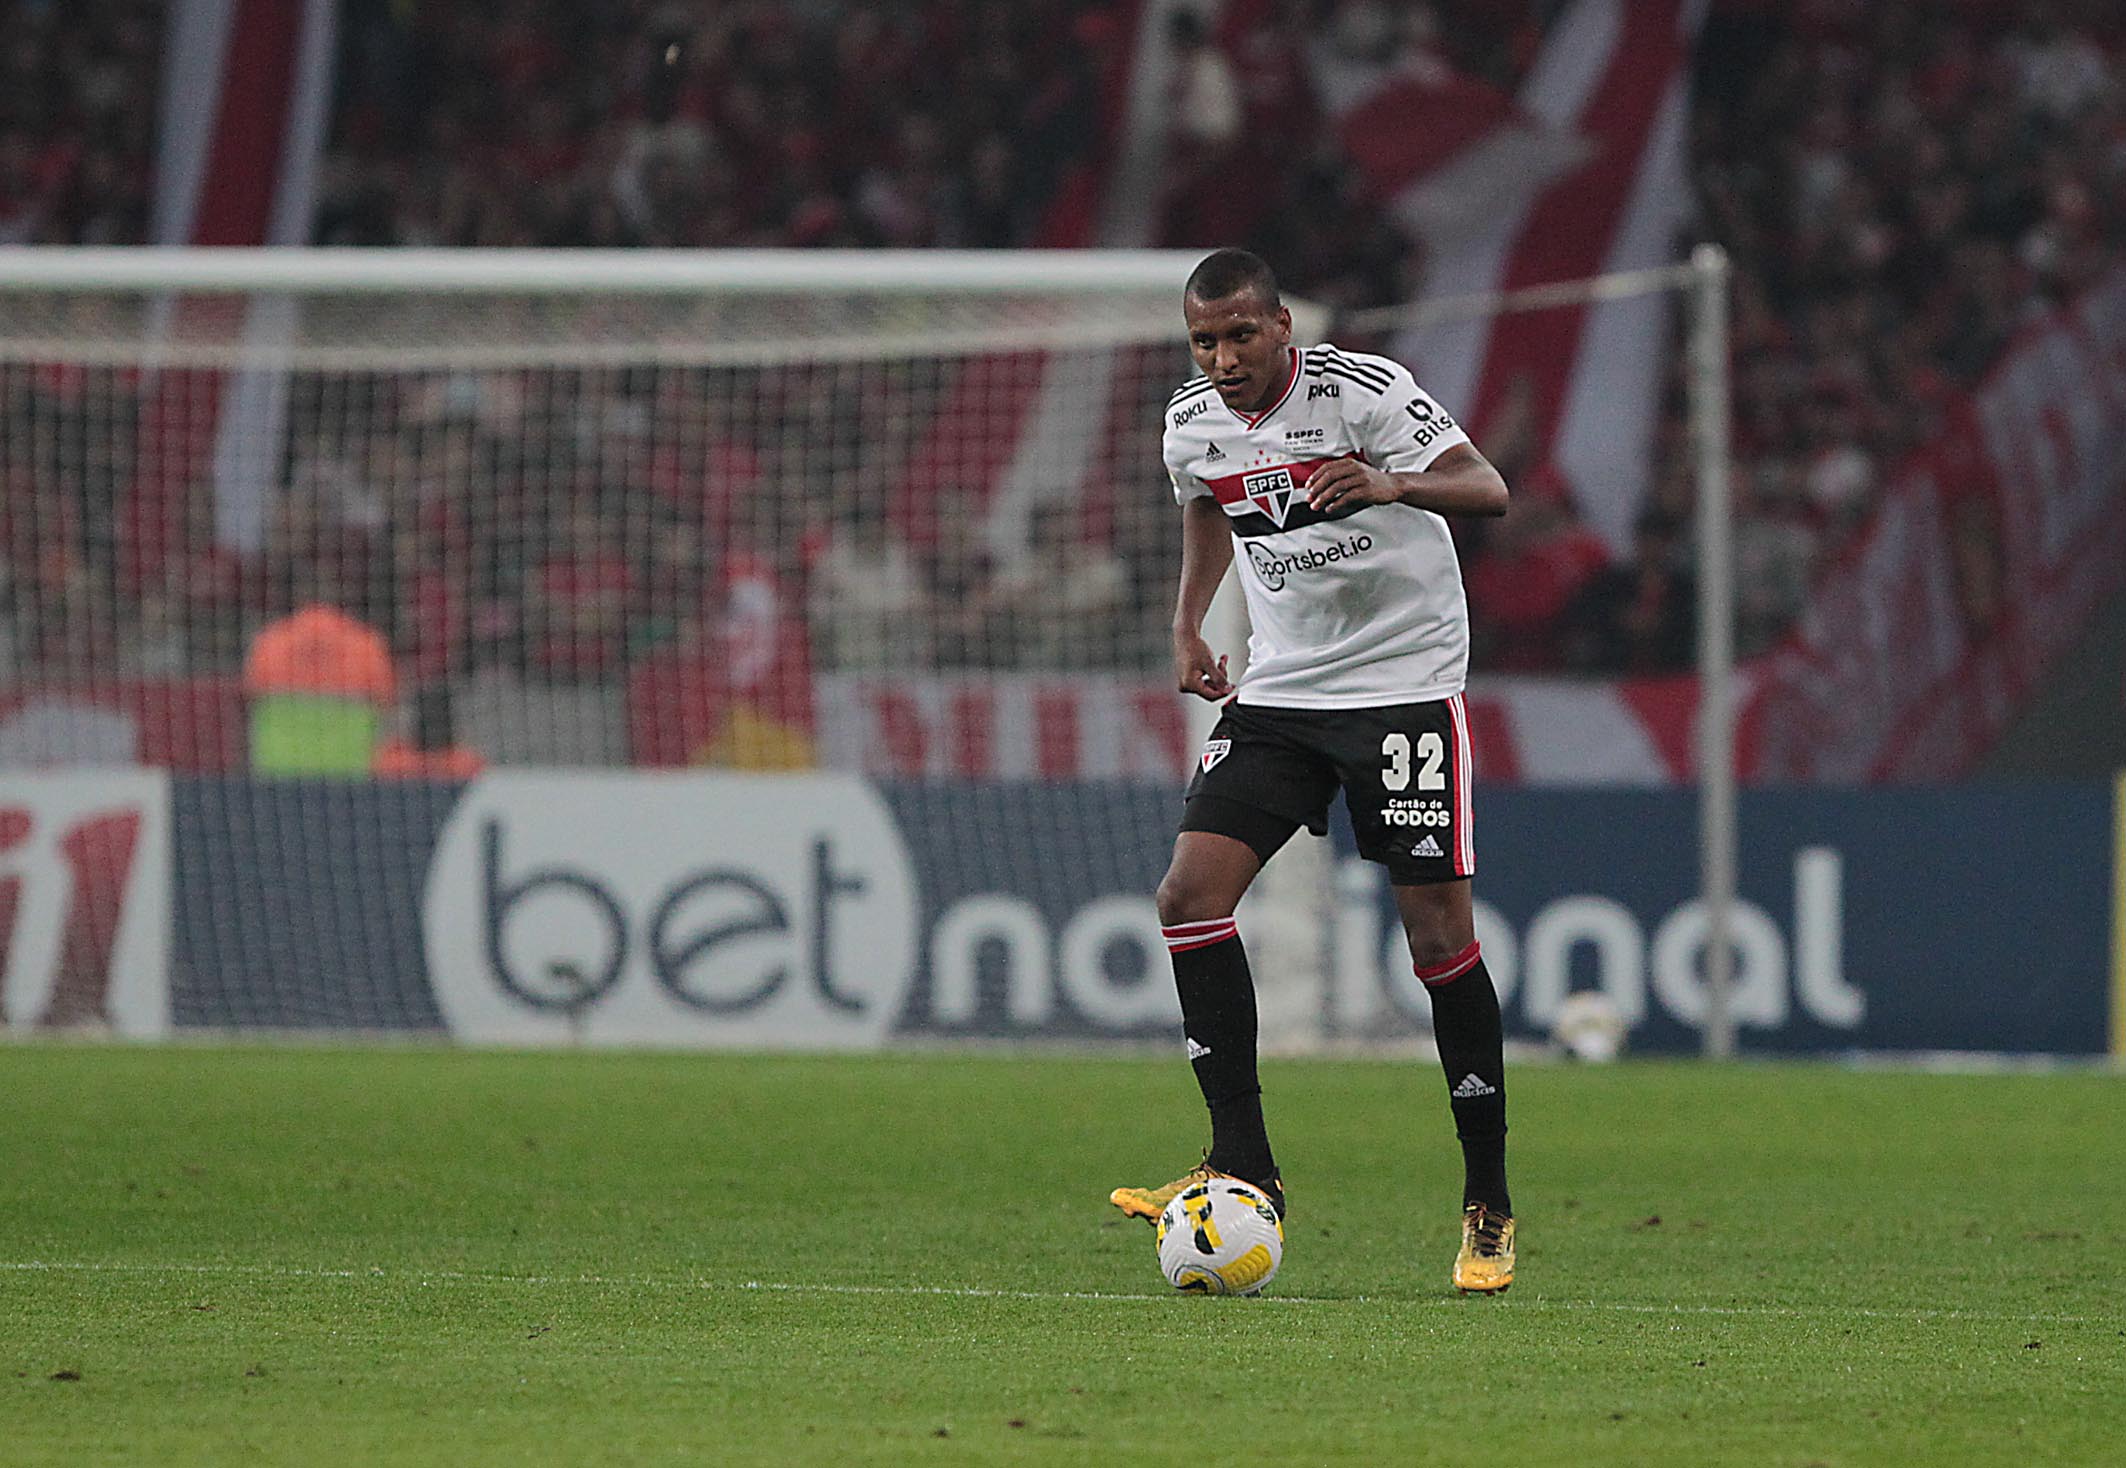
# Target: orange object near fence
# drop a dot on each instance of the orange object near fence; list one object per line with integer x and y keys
{"x": 321, "y": 651}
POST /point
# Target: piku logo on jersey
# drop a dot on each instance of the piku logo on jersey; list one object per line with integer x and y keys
{"x": 1273, "y": 568}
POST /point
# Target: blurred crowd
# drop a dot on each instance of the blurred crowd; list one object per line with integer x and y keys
{"x": 1901, "y": 187}
{"x": 1939, "y": 180}
{"x": 646, "y": 122}
{"x": 560, "y": 525}
{"x": 77, "y": 145}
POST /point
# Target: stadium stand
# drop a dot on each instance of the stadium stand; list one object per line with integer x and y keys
{"x": 1941, "y": 176}
{"x": 1902, "y": 188}
{"x": 76, "y": 146}
{"x": 544, "y": 123}
{"x": 1917, "y": 206}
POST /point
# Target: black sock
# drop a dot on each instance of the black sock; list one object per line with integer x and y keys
{"x": 1218, "y": 1017}
{"x": 1465, "y": 1022}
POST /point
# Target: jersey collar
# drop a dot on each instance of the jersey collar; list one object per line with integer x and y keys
{"x": 1254, "y": 420}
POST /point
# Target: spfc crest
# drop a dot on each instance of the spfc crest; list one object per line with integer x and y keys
{"x": 1215, "y": 750}
{"x": 1269, "y": 492}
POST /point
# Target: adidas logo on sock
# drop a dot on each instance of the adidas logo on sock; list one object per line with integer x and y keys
{"x": 1427, "y": 847}
{"x": 1472, "y": 1086}
{"x": 1196, "y": 1051}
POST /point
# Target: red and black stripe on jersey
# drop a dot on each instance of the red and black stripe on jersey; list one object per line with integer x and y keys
{"x": 1192, "y": 388}
{"x": 1329, "y": 362}
{"x": 1233, "y": 490}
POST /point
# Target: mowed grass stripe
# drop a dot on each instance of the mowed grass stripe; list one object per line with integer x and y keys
{"x": 482, "y": 1258}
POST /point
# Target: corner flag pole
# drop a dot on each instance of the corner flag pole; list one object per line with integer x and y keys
{"x": 1717, "y": 838}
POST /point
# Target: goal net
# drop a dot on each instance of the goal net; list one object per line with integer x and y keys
{"x": 877, "y": 549}
{"x": 740, "y": 649}
{"x": 556, "y": 488}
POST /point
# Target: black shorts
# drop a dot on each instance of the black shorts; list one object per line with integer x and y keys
{"x": 1404, "y": 771}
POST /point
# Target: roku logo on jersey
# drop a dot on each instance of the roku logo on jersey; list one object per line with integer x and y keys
{"x": 1193, "y": 410}
{"x": 1273, "y": 568}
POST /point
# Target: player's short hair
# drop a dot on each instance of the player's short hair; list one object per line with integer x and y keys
{"x": 1224, "y": 273}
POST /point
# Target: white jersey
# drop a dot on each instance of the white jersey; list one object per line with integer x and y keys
{"x": 1353, "y": 610}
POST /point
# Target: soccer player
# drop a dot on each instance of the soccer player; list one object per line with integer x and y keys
{"x": 1329, "y": 471}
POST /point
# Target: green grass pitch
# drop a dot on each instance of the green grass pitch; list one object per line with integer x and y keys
{"x": 437, "y": 1257}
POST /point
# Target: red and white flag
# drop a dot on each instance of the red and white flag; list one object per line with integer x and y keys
{"x": 1581, "y": 173}
{"x": 246, "y": 100}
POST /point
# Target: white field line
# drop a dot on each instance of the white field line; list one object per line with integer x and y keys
{"x": 1520, "y": 1301}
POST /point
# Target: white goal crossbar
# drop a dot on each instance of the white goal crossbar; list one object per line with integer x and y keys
{"x": 591, "y": 272}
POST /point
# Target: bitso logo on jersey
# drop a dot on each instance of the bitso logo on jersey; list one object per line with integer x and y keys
{"x": 1269, "y": 492}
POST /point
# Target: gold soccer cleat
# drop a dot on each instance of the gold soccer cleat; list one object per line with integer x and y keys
{"x": 1149, "y": 1203}
{"x": 1485, "y": 1265}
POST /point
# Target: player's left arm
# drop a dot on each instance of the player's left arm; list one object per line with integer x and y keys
{"x": 1460, "y": 481}
{"x": 1413, "y": 454}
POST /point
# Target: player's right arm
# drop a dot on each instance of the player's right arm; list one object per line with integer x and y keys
{"x": 1206, "y": 551}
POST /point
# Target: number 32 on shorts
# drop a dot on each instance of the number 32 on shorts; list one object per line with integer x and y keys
{"x": 1431, "y": 753}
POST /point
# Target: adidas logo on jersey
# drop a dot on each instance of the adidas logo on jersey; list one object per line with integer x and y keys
{"x": 1472, "y": 1086}
{"x": 1214, "y": 452}
{"x": 1427, "y": 847}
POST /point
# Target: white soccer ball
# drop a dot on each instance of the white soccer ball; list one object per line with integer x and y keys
{"x": 1220, "y": 1237}
{"x": 1589, "y": 1028}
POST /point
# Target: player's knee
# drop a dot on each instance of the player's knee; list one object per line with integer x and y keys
{"x": 1185, "y": 898}
{"x": 1432, "y": 950}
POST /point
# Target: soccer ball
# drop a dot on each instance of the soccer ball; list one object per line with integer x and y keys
{"x": 1589, "y": 1028}
{"x": 1220, "y": 1237}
